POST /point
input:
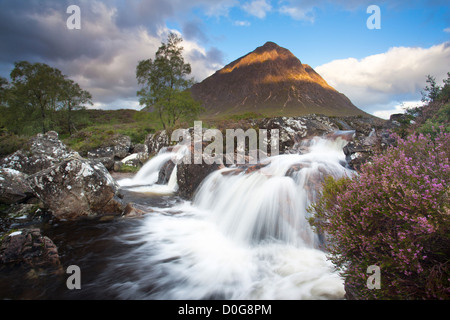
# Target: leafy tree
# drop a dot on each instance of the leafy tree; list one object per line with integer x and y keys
{"x": 431, "y": 91}
{"x": 445, "y": 91}
{"x": 3, "y": 90}
{"x": 35, "y": 94}
{"x": 35, "y": 89}
{"x": 73, "y": 98}
{"x": 164, "y": 83}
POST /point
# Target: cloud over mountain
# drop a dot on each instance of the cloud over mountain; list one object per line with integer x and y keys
{"x": 383, "y": 79}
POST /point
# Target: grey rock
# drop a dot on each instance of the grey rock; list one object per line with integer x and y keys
{"x": 77, "y": 188}
{"x": 42, "y": 151}
{"x": 14, "y": 187}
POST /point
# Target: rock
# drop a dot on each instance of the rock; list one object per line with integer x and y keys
{"x": 29, "y": 248}
{"x": 295, "y": 129}
{"x": 132, "y": 211}
{"x": 190, "y": 176}
{"x": 119, "y": 147}
{"x": 361, "y": 150}
{"x": 399, "y": 117}
{"x": 77, "y": 188}
{"x": 140, "y": 148}
{"x": 156, "y": 141}
{"x": 122, "y": 146}
{"x": 108, "y": 162}
{"x": 14, "y": 187}
{"x": 165, "y": 172}
{"x": 103, "y": 152}
{"x": 135, "y": 160}
{"x": 42, "y": 151}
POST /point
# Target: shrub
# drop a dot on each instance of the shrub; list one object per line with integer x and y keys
{"x": 395, "y": 215}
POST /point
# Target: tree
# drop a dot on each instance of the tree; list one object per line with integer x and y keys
{"x": 431, "y": 92}
{"x": 164, "y": 83}
{"x": 3, "y": 90}
{"x": 36, "y": 92}
{"x": 445, "y": 91}
{"x": 73, "y": 98}
{"x": 36, "y": 87}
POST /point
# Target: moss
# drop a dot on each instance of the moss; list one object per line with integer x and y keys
{"x": 128, "y": 169}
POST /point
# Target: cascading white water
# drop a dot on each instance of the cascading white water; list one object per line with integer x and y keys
{"x": 245, "y": 235}
{"x": 145, "y": 180}
{"x": 271, "y": 202}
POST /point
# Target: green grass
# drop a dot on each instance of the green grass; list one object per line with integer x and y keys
{"x": 105, "y": 125}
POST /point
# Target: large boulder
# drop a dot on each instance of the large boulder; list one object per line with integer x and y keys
{"x": 14, "y": 187}
{"x": 29, "y": 248}
{"x": 41, "y": 152}
{"x": 77, "y": 188}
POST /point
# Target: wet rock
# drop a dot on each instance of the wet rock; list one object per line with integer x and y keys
{"x": 41, "y": 152}
{"x": 190, "y": 176}
{"x": 14, "y": 187}
{"x": 165, "y": 172}
{"x": 132, "y": 210}
{"x": 29, "y": 248}
{"x": 77, "y": 188}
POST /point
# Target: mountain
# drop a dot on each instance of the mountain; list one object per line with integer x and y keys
{"x": 273, "y": 82}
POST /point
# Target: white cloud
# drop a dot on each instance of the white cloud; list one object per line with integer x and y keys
{"x": 298, "y": 13}
{"x": 447, "y": 30}
{"x": 241, "y": 23}
{"x": 396, "y": 75}
{"x": 396, "y": 107}
{"x": 257, "y": 8}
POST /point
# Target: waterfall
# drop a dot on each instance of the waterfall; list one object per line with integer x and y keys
{"x": 145, "y": 180}
{"x": 271, "y": 201}
{"x": 245, "y": 235}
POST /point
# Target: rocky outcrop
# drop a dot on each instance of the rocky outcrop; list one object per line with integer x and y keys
{"x": 14, "y": 187}
{"x": 41, "y": 152}
{"x": 77, "y": 188}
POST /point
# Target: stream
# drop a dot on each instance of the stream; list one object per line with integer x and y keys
{"x": 244, "y": 236}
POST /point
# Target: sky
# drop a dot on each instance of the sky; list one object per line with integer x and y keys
{"x": 381, "y": 70}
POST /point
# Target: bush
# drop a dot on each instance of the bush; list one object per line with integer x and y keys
{"x": 10, "y": 143}
{"x": 394, "y": 215}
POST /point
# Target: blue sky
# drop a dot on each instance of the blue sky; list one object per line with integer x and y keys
{"x": 379, "y": 70}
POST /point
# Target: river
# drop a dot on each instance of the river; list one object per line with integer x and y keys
{"x": 243, "y": 236}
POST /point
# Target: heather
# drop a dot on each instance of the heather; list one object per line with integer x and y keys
{"x": 395, "y": 215}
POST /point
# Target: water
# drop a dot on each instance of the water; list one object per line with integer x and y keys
{"x": 244, "y": 236}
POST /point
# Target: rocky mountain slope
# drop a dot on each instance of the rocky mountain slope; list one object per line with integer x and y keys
{"x": 271, "y": 81}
